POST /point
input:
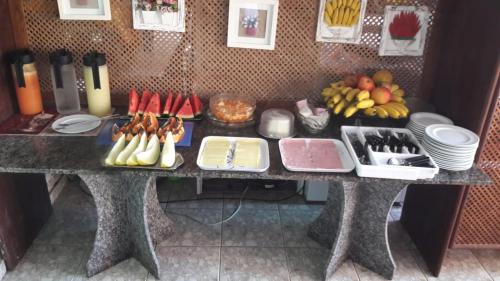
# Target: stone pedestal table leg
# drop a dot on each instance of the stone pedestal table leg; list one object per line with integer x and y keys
{"x": 129, "y": 221}
{"x": 333, "y": 226}
{"x": 354, "y": 224}
{"x": 369, "y": 241}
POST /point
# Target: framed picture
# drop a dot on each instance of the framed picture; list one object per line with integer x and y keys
{"x": 340, "y": 21}
{"x": 252, "y": 24}
{"x": 404, "y": 31}
{"x": 161, "y": 15}
{"x": 84, "y": 9}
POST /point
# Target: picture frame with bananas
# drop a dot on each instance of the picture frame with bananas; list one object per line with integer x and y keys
{"x": 340, "y": 21}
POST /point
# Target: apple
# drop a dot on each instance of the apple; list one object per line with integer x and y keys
{"x": 383, "y": 76}
{"x": 381, "y": 95}
{"x": 351, "y": 81}
{"x": 366, "y": 83}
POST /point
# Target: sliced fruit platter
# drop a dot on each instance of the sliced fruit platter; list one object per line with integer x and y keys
{"x": 375, "y": 96}
{"x": 144, "y": 151}
{"x": 187, "y": 108}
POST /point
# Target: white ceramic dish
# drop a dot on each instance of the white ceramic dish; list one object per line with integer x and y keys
{"x": 454, "y": 136}
{"x": 424, "y": 119}
{"x": 264, "y": 157}
{"x": 345, "y": 158}
{"x": 89, "y": 122}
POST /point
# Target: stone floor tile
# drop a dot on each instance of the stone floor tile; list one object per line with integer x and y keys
{"x": 295, "y": 225}
{"x": 490, "y": 259}
{"x": 253, "y": 264}
{"x": 69, "y": 226}
{"x": 308, "y": 264}
{"x": 45, "y": 262}
{"x": 189, "y": 232}
{"x": 459, "y": 265}
{"x": 127, "y": 270}
{"x": 188, "y": 263}
{"x": 252, "y": 227}
{"x": 407, "y": 268}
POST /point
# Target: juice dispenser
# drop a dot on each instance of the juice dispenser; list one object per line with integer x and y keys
{"x": 27, "y": 85}
{"x": 64, "y": 82}
{"x": 95, "y": 72}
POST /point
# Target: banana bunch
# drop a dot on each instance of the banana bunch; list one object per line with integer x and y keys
{"x": 340, "y": 98}
{"x": 342, "y": 12}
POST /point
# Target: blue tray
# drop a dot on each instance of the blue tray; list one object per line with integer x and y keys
{"x": 104, "y": 138}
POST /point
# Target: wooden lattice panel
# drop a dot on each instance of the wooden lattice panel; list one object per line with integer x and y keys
{"x": 480, "y": 221}
{"x": 199, "y": 59}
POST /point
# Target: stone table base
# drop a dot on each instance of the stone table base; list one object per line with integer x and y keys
{"x": 354, "y": 224}
{"x": 130, "y": 221}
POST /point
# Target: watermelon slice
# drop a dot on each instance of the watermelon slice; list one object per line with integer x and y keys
{"x": 197, "y": 105}
{"x": 168, "y": 103}
{"x": 186, "y": 111}
{"x": 154, "y": 105}
{"x": 146, "y": 96}
{"x": 177, "y": 104}
{"x": 133, "y": 102}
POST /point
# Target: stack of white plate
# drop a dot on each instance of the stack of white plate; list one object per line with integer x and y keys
{"x": 452, "y": 148}
{"x": 420, "y": 120}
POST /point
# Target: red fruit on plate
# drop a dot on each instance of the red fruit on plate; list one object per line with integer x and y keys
{"x": 146, "y": 96}
{"x": 177, "y": 104}
{"x": 168, "y": 103}
{"x": 366, "y": 83}
{"x": 133, "y": 102}
{"x": 197, "y": 105}
{"x": 154, "y": 105}
{"x": 186, "y": 111}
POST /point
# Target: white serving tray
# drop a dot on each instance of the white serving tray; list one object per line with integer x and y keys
{"x": 264, "y": 157}
{"x": 345, "y": 158}
{"x": 379, "y": 167}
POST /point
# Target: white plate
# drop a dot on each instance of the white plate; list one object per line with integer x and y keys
{"x": 345, "y": 158}
{"x": 450, "y": 148}
{"x": 264, "y": 158}
{"x": 91, "y": 122}
{"x": 424, "y": 119}
{"x": 450, "y": 135}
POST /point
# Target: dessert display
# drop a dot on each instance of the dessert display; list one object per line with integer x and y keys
{"x": 314, "y": 120}
{"x": 144, "y": 151}
{"x": 149, "y": 124}
{"x": 315, "y": 155}
{"x": 185, "y": 108}
{"x": 232, "y": 109}
{"x": 375, "y": 96}
{"x": 233, "y": 154}
{"x": 277, "y": 124}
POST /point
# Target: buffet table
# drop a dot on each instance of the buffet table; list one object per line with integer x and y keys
{"x": 130, "y": 221}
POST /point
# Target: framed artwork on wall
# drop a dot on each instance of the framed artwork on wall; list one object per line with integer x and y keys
{"x": 84, "y": 9}
{"x": 160, "y": 15}
{"x": 404, "y": 31}
{"x": 340, "y": 21}
{"x": 252, "y": 24}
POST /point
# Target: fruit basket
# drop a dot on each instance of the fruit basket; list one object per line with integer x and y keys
{"x": 376, "y": 96}
{"x": 377, "y": 161}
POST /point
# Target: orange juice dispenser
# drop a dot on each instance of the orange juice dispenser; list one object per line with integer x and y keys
{"x": 27, "y": 85}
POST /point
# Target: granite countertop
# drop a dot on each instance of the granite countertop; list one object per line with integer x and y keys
{"x": 81, "y": 155}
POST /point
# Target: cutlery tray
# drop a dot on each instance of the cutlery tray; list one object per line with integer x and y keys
{"x": 371, "y": 163}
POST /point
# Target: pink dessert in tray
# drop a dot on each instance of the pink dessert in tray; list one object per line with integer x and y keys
{"x": 311, "y": 154}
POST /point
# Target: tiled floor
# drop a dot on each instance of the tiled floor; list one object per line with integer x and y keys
{"x": 264, "y": 241}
